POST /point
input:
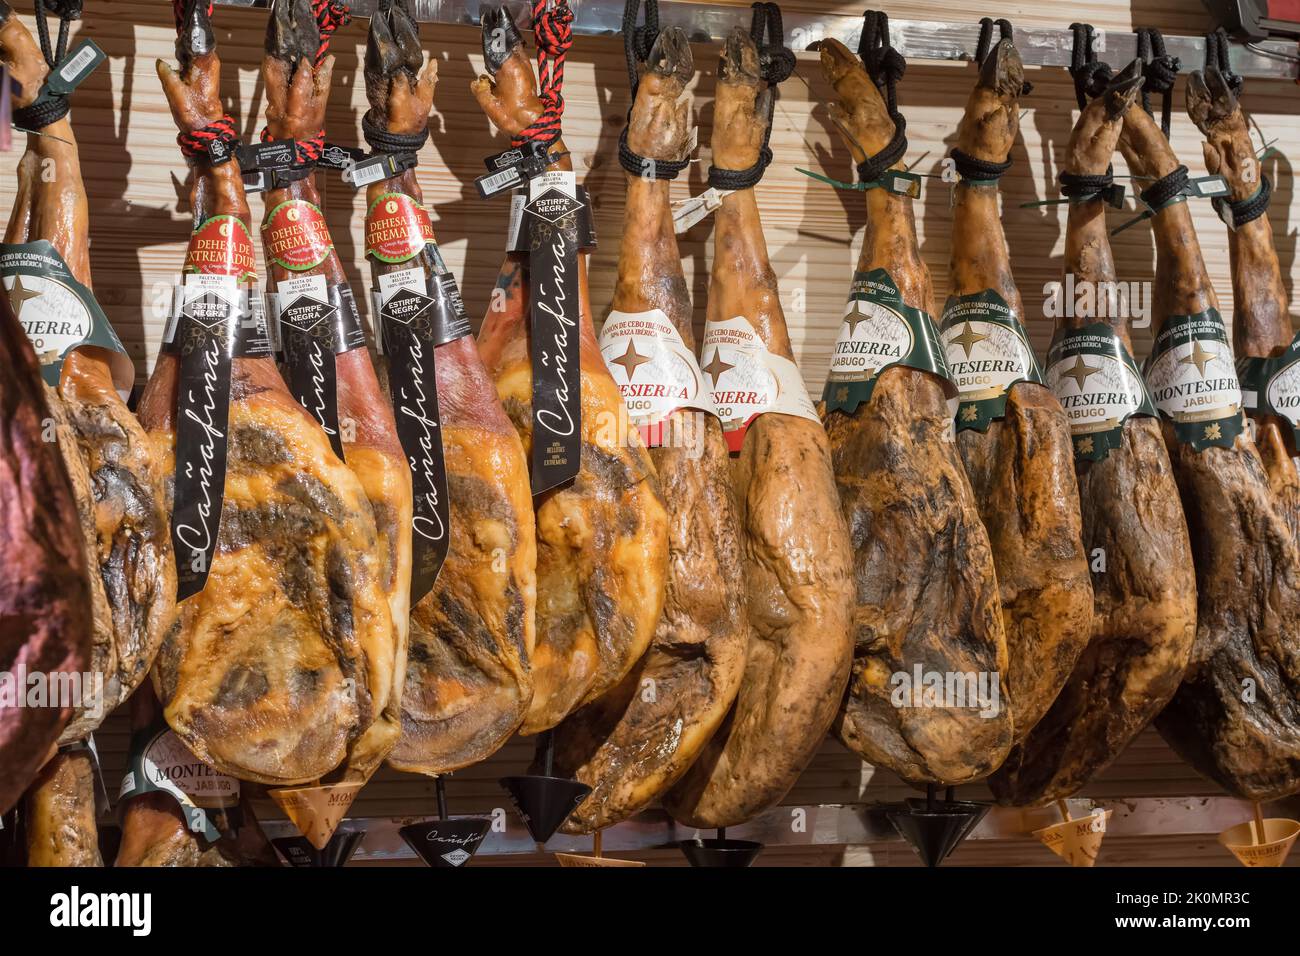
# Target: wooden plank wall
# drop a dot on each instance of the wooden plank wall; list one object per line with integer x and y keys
{"x": 139, "y": 225}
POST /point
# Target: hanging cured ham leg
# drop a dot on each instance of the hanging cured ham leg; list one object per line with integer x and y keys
{"x": 1013, "y": 436}
{"x": 45, "y": 613}
{"x": 926, "y": 593}
{"x": 115, "y": 472}
{"x": 284, "y": 652}
{"x": 602, "y": 542}
{"x": 467, "y": 679}
{"x": 637, "y": 740}
{"x": 45, "y": 583}
{"x": 318, "y": 315}
{"x": 794, "y": 545}
{"x": 1144, "y": 610}
{"x": 59, "y": 813}
{"x": 1242, "y": 505}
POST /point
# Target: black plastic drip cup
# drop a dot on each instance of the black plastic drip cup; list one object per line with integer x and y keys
{"x": 934, "y": 827}
{"x": 719, "y": 851}
{"x": 544, "y": 801}
{"x": 446, "y": 842}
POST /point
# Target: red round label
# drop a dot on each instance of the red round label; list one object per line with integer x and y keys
{"x": 295, "y": 235}
{"x": 397, "y": 228}
{"x": 222, "y": 246}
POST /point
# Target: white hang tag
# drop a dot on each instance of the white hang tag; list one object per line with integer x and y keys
{"x": 687, "y": 212}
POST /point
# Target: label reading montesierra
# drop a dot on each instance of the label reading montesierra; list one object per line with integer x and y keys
{"x": 296, "y": 235}
{"x": 397, "y": 228}
{"x": 1193, "y": 381}
{"x": 879, "y": 330}
{"x": 655, "y": 371}
{"x": 1098, "y": 384}
{"x": 160, "y": 762}
{"x": 57, "y": 312}
{"x": 987, "y": 352}
{"x": 1271, "y": 386}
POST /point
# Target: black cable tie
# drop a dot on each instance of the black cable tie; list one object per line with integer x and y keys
{"x": 1081, "y": 187}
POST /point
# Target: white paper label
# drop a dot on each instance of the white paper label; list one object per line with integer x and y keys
{"x": 653, "y": 368}
{"x": 746, "y": 380}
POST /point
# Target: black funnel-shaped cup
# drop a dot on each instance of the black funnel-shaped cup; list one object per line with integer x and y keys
{"x": 935, "y": 831}
{"x": 446, "y": 842}
{"x": 299, "y": 851}
{"x": 714, "y": 852}
{"x": 544, "y": 802}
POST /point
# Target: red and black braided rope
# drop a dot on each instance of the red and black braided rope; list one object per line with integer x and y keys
{"x": 553, "y": 29}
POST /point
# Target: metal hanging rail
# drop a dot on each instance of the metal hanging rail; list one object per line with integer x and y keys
{"x": 915, "y": 39}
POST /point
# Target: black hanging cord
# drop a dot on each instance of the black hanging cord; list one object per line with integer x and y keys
{"x": 1165, "y": 189}
{"x": 969, "y": 167}
{"x": 1086, "y": 185}
{"x": 776, "y": 62}
{"x": 1091, "y": 75}
{"x": 886, "y": 67}
{"x": 381, "y": 140}
{"x": 49, "y": 109}
{"x": 638, "y": 42}
{"x": 1161, "y": 72}
{"x": 1216, "y": 58}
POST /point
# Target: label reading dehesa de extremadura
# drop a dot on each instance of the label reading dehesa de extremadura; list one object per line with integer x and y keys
{"x": 160, "y": 762}
{"x": 746, "y": 380}
{"x": 1271, "y": 386}
{"x": 879, "y": 330}
{"x": 655, "y": 371}
{"x": 987, "y": 352}
{"x": 1099, "y": 386}
{"x": 1193, "y": 379}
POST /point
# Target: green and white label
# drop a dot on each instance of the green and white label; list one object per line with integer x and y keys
{"x": 1271, "y": 386}
{"x": 1193, "y": 381}
{"x": 57, "y": 312}
{"x": 987, "y": 352}
{"x": 160, "y": 762}
{"x": 879, "y": 330}
{"x": 1098, "y": 384}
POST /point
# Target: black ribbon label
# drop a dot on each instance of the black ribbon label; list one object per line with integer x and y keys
{"x": 316, "y": 322}
{"x": 211, "y": 330}
{"x": 418, "y": 311}
{"x": 551, "y": 217}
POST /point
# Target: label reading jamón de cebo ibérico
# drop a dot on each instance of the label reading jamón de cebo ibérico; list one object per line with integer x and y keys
{"x": 296, "y": 236}
{"x": 397, "y": 228}
{"x": 221, "y": 246}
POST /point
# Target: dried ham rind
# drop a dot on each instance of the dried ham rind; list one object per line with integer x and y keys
{"x": 602, "y": 541}
{"x": 926, "y": 592}
{"x": 796, "y": 557}
{"x": 297, "y": 93}
{"x": 1236, "y": 716}
{"x": 636, "y": 741}
{"x": 116, "y": 475}
{"x": 267, "y": 675}
{"x": 467, "y": 684}
{"x": 1144, "y": 601}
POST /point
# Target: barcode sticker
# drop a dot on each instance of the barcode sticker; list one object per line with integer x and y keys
{"x": 494, "y": 183}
